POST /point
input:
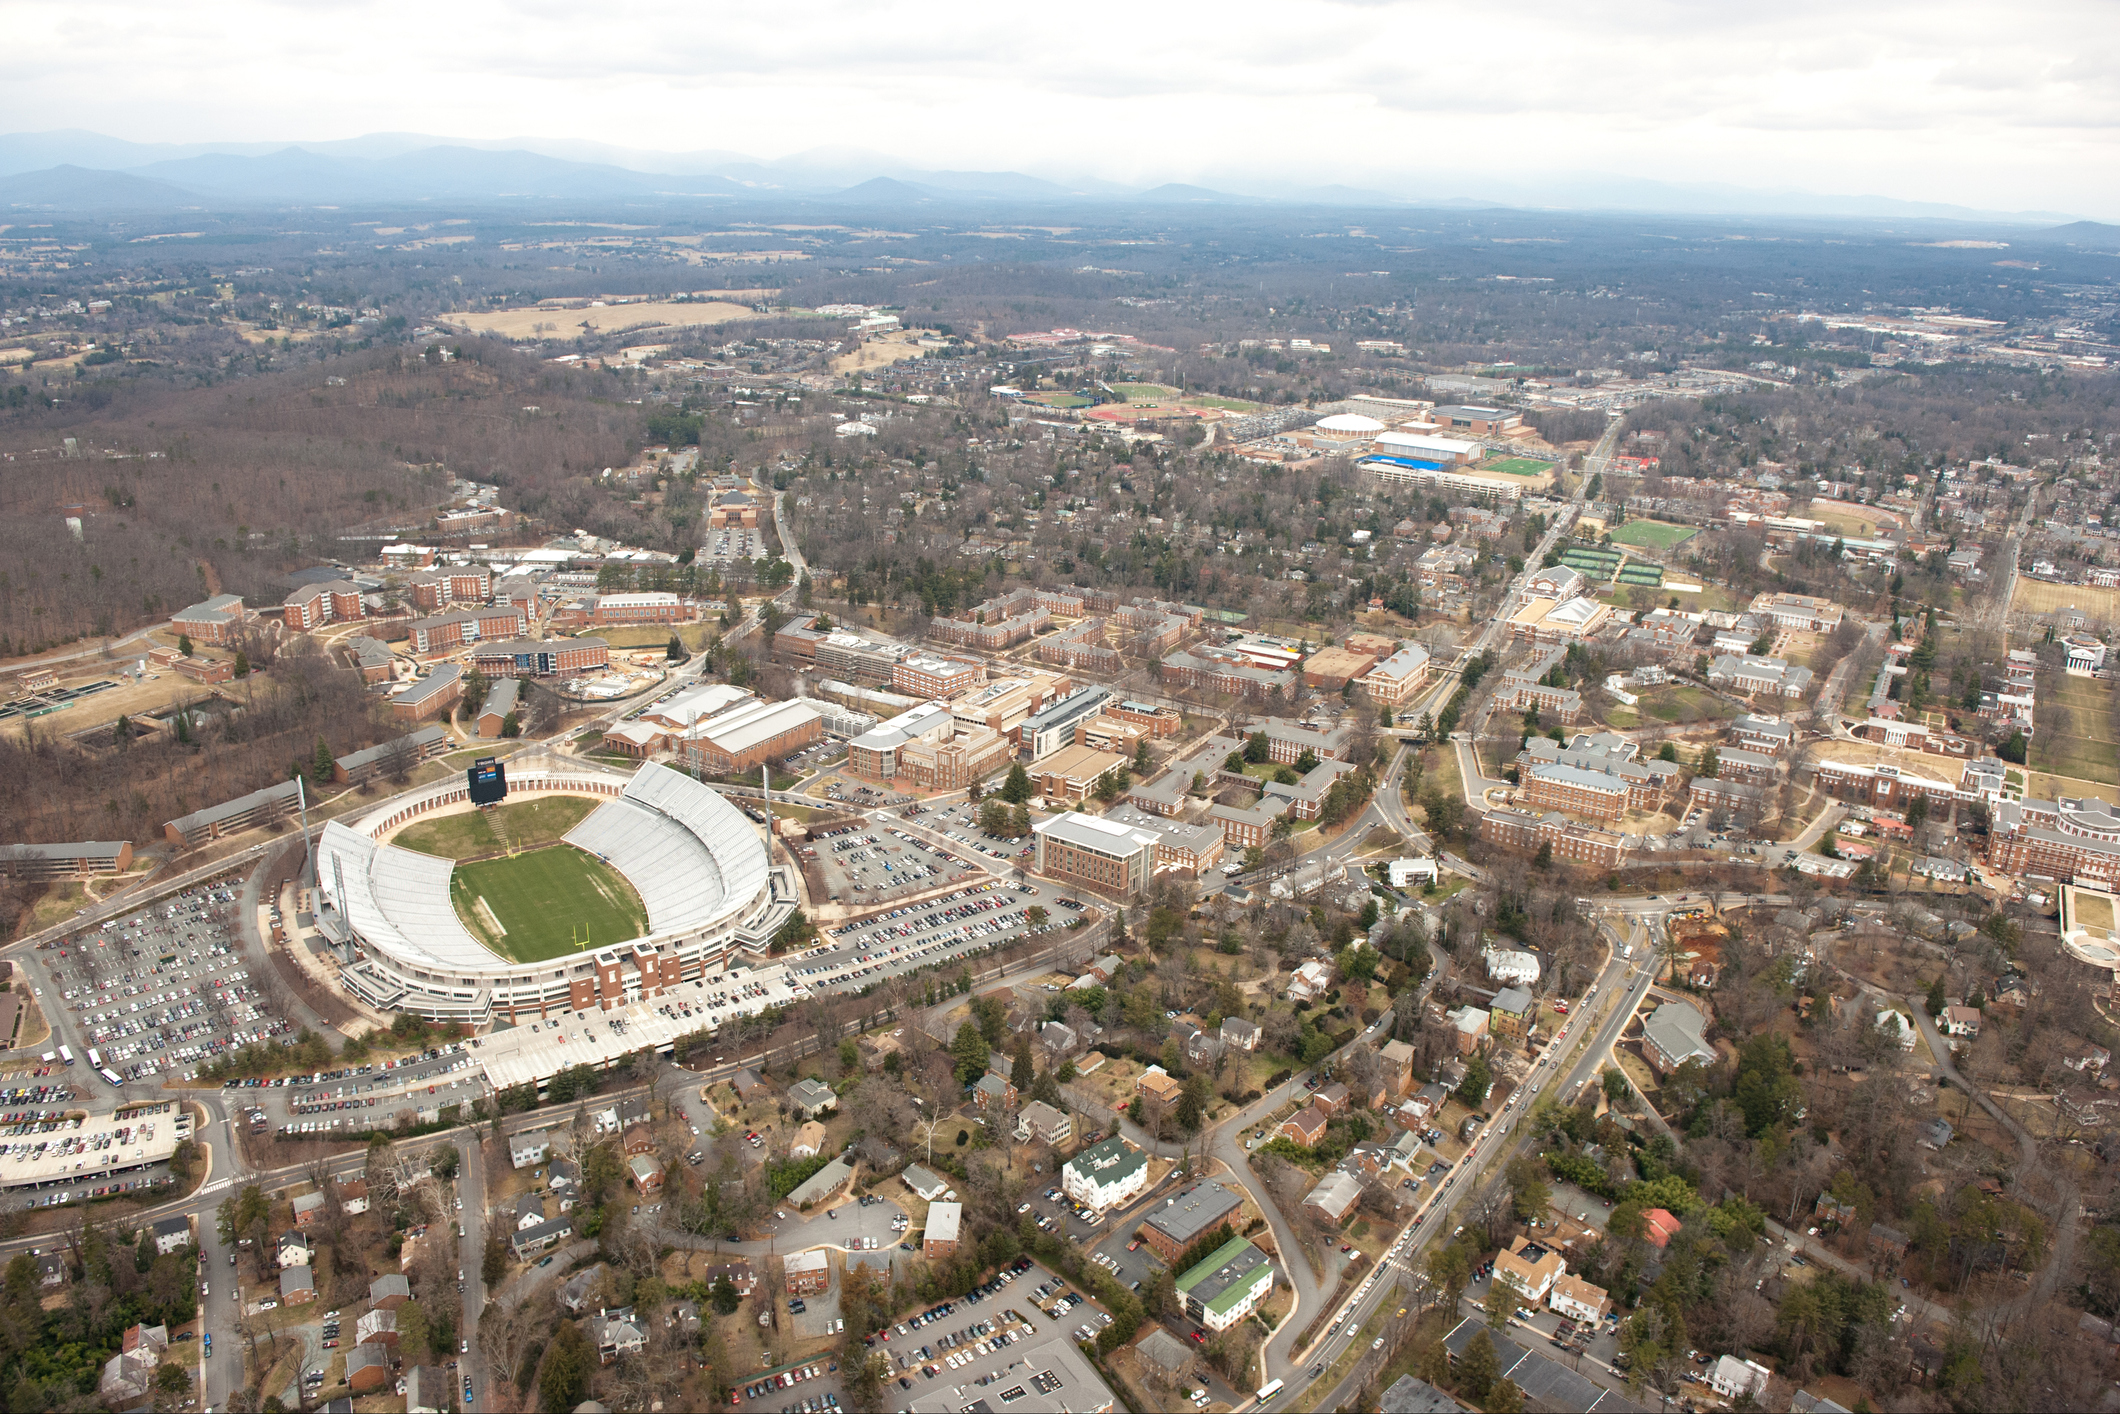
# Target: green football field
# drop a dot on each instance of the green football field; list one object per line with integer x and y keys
{"x": 1652, "y": 534}
{"x": 546, "y": 902}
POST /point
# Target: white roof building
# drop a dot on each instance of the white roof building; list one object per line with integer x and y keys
{"x": 1515, "y": 969}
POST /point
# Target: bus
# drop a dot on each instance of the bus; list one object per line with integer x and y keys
{"x": 111, "y": 1075}
{"x": 95, "y": 1058}
{"x": 66, "y": 1054}
{"x": 1269, "y": 1390}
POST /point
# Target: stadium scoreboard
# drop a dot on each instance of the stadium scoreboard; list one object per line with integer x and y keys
{"x": 488, "y": 781}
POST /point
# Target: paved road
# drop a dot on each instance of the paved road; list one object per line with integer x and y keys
{"x": 1569, "y": 1062}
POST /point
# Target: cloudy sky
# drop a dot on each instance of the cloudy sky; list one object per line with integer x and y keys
{"x": 1983, "y": 105}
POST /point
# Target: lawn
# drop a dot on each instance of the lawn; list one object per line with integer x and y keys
{"x": 1518, "y": 466}
{"x": 1684, "y": 704}
{"x": 2034, "y": 596}
{"x": 1653, "y": 534}
{"x": 2086, "y": 749}
{"x": 548, "y": 903}
{"x": 529, "y": 823}
{"x": 1144, "y": 391}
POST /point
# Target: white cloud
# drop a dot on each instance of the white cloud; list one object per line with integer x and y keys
{"x": 1974, "y": 104}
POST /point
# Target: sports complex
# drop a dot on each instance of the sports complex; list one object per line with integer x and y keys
{"x": 656, "y": 880}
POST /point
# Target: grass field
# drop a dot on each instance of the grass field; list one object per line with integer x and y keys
{"x": 2034, "y": 596}
{"x": 1058, "y": 400}
{"x": 2087, "y": 748}
{"x": 1681, "y": 704}
{"x": 529, "y": 823}
{"x": 1136, "y": 392}
{"x": 546, "y": 902}
{"x": 1653, "y": 534}
{"x": 1517, "y": 466}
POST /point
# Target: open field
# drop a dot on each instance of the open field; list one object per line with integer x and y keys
{"x": 2086, "y": 748}
{"x": 2034, "y": 596}
{"x": 1145, "y": 390}
{"x": 547, "y": 903}
{"x": 1684, "y": 704}
{"x": 609, "y": 319}
{"x": 882, "y": 352}
{"x": 1517, "y": 466}
{"x": 1653, "y": 534}
{"x": 529, "y": 823}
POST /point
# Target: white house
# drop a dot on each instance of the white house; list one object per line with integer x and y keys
{"x": 172, "y": 1233}
{"x": 294, "y": 1250}
{"x": 1311, "y": 981}
{"x": 1105, "y": 1174}
{"x": 1732, "y": 1377}
{"x": 529, "y": 1150}
{"x": 1961, "y": 1021}
{"x": 1578, "y": 1299}
{"x": 1896, "y": 1026}
{"x": 1406, "y": 872}
{"x": 1511, "y": 968}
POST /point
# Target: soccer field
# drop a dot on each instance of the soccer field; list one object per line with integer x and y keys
{"x": 546, "y": 903}
{"x": 1652, "y": 534}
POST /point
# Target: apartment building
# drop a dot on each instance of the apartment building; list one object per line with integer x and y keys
{"x": 446, "y": 632}
{"x": 1576, "y": 844}
{"x": 1770, "y": 736}
{"x": 541, "y": 658}
{"x": 1081, "y": 647}
{"x": 314, "y": 605}
{"x": 2070, "y": 839}
{"x": 1525, "y": 687}
{"x": 432, "y": 591}
{"x": 999, "y": 623}
{"x": 1213, "y": 668}
{"x": 432, "y": 696}
{"x": 219, "y": 621}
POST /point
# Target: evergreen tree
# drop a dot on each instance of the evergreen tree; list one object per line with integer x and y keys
{"x": 1936, "y": 997}
{"x": 1710, "y": 763}
{"x": 1478, "y": 1366}
{"x": 970, "y": 1051}
{"x": 320, "y": 767}
{"x": 1016, "y": 790}
{"x": 242, "y": 664}
{"x": 1022, "y": 1073}
{"x": 563, "y": 1382}
{"x": 184, "y": 644}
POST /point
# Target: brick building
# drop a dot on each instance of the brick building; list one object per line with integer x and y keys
{"x": 314, "y": 605}
{"x": 219, "y": 621}
{"x": 541, "y": 658}
{"x": 1577, "y": 844}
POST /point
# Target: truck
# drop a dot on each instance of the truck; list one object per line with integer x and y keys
{"x": 1627, "y": 953}
{"x": 66, "y": 1054}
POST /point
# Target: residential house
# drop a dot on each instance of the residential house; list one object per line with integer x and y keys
{"x": 1961, "y": 1021}
{"x": 748, "y": 1086}
{"x": 1577, "y": 1299}
{"x": 1888, "y": 1241}
{"x": 1305, "y": 1126}
{"x": 926, "y": 1185}
{"x": 529, "y": 1241}
{"x": 1732, "y": 1377}
{"x": 429, "y": 1390}
{"x": 129, "y": 1376}
{"x": 1239, "y": 1034}
{"x": 1659, "y": 1227}
{"x": 294, "y": 1250}
{"x": 368, "y": 1369}
{"x": 994, "y": 1092}
{"x": 389, "y": 1292}
{"x": 1227, "y": 1285}
{"x": 1043, "y": 1123}
{"x": 808, "y": 1141}
{"x": 172, "y": 1233}
{"x": 1159, "y": 1093}
{"x": 308, "y": 1208}
{"x": 377, "y": 1326}
{"x": 353, "y": 1195}
{"x": 617, "y": 1332}
{"x": 1331, "y": 1099}
{"x": 1311, "y": 981}
{"x": 645, "y": 1172}
{"x": 1533, "y": 1266}
{"x": 811, "y": 1098}
{"x": 576, "y": 1292}
{"x": 297, "y": 1285}
{"x": 1335, "y": 1195}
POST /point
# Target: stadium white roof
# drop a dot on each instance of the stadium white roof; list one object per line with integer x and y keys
{"x": 692, "y": 856}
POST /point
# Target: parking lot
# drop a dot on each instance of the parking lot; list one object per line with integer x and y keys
{"x": 939, "y": 1340}
{"x": 733, "y": 543}
{"x": 984, "y": 913}
{"x": 166, "y": 989}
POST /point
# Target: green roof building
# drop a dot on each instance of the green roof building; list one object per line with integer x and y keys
{"x": 1222, "y": 1290}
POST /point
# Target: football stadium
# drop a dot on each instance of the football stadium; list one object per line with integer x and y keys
{"x": 662, "y": 882}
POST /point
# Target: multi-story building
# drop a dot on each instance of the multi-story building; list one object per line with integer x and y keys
{"x": 1103, "y": 854}
{"x": 877, "y": 753}
{"x": 2071, "y": 840}
{"x": 744, "y": 737}
{"x": 219, "y": 621}
{"x": 1576, "y": 791}
{"x": 1648, "y": 783}
{"x": 1227, "y": 1285}
{"x": 1533, "y": 1266}
{"x": 541, "y": 658}
{"x": 314, "y": 605}
{"x": 1754, "y": 676}
{"x": 1673, "y": 1035}
{"x": 1248, "y": 827}
{"x": 1577, "y": 1299}
{"x": 1333, "y": 667}
{"x": 944, "y": 1220}
{"x": 446, "y": 632}
{"x": 1802, "y": 613}
{"x": 1159, "y": 1093}
{"x": 1511, "y": 1012}
{"x": 1896, "y": 788}
{"x": 431, "y": 591}
{"x": 1769, "y": 736}
{"x": 1081, "y": 647}
{"x": 65, "y": 861}
{"x": 1105, "y": 1175}
{"x": 647, "y": 607}
{"x": 1215, "y": 668}
{"x": 997, "y": 624}
{"x": 1522, "y": 688}
{"x": 1477, "y": 421}
{"x": 1054, "y": 725}
{"x": 1287, "y": 741}
{"x": 1071, "y": 774}
{"x": 1559, "y": 621}
{"x": 930, "y": 676}
{"x": 1178, "y": 1222}
{"x": 1577, "y": 844}
{"x": 432, "y": 696}
{"x": 1192, "y": 849}
{"x": 1749, "y": 767}
{"x": 1393, "y": 682}
{"x": 808, "y": 1273}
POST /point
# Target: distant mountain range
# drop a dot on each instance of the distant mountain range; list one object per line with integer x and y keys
{"x": 75, "y": 170}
